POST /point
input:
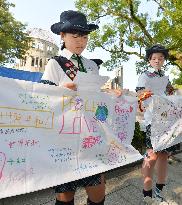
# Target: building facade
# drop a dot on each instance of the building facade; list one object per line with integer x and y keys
{"x": 43, "y": 47}
{"x": 116, "y": 82}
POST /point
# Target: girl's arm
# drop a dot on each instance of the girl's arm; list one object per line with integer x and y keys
{"x": 116, "y": 92}
{"x": 170, "y": 90}
{"x": 143, "y": 94}
{"x": 71, "y": 86}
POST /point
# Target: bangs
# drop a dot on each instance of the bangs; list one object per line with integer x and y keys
{"x": 79, "y": 33}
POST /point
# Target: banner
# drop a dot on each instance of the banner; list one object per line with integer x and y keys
{"x": 20, "y": 74}
{"x": 166, "y": 127}
{"x": 51, "y": 135}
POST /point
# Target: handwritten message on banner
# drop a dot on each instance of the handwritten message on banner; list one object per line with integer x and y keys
{"x": 166, "y": 122}
{"x": 51, "y": 135}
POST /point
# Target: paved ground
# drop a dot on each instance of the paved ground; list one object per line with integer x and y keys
{"x": 123, "y": 187}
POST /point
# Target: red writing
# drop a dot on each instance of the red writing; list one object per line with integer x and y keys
{"x": 91, "y": 141}
{"x": 23, "y": 143}
{"x": 77, "y": 125}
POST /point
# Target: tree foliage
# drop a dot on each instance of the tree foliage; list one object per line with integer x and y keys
{"x": 126, "y": 30}
{"x": 13, "y": 40}
{"x": 178, "y": 81}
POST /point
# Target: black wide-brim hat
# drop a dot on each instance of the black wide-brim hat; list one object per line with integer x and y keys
{"x": 71, "y": 21}
{"x": 156, "y": 49}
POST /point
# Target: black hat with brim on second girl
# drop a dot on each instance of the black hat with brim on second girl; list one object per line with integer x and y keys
{"x": 156, "y": 49}
{"x": 73, "y": 21}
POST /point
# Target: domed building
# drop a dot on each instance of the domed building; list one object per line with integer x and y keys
{"x": 43, "y": 47}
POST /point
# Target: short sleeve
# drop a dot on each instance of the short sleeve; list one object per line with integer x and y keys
{"x": 169, "y": 89}
{"x": 142, "y": 81}
{"x": 52, "y": 72}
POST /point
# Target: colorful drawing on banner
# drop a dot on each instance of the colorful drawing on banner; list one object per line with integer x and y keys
{"x": 75, "y": 103}
{"x": 101, "y": 113}
{"x": 90, "y": 141}
{"x": 122, "y": 135}
{"x": 22, "y": 143}
{"x": 166, "y": 122}
{"x": 63, "y": 139}
{"x": 164, "y": 114}
{"x": 114, "y": 155}
{"x": 10, "y": 131}
{"x": 19, "y": 175}
{"x": 86, "y": 166}
{"x": 2, "y": 163}
{"x": 15, "y": 161}
{"x": 123, "y": 111}
{"x": 62, "y": 154}
{"x": 120, "y": 109}
{"x": 14, "y": 117}
{"x": 78, "y": 103}
{"x": 37, "y": 102}
{"x": 77, "y": 124}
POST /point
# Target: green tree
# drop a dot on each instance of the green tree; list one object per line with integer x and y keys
{"x": 13, "y": 40}
{"x": 178, "y": 81}
{"x": 138, "y": 138}
{"x": 126, "y": 30}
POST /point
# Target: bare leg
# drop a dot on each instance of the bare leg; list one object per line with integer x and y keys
{"x": 96, "y": 193}
{"x": 161, "y": 167}
{"x": 66, "y": 196}
{"x": 148, "y": 169}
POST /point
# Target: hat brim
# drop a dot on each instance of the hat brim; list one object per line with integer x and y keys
{"x": 68, "y": 27}
{"x": 151, "y": 51}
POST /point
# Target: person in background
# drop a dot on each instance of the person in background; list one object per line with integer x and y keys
{"x": 156, "y": 56}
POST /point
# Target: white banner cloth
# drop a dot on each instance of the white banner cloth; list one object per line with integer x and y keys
{"x": 166, "y": 127}
{"x": 51, "y": 135}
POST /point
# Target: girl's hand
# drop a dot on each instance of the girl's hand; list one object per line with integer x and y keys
{"x": 116, "y": 92}
{"x": 144, "y": 94}
{"x": 71, "y": 86}
{"x": 119, "y": 92}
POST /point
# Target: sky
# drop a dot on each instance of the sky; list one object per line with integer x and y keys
{"x": 42, "y": 14}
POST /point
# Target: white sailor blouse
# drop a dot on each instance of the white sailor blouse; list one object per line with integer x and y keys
{"x": 143, "y": 84}
{"x": 54, "y": 74}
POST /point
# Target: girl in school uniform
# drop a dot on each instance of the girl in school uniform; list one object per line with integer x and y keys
{"x": 156, "y": 55}
{"x": 60, "y": 71}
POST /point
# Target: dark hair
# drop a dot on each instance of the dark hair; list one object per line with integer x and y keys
{"x": 80, "y": 33}
{"x": 63, "y": 46}
{"x": 156, "y": 49}
{"x": 150, "y": 56}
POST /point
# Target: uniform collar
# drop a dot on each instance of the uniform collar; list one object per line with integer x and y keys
{"x": 151, "y": 72}
{"x": 159, "y": 72}
{"x": 67, "y": 54}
